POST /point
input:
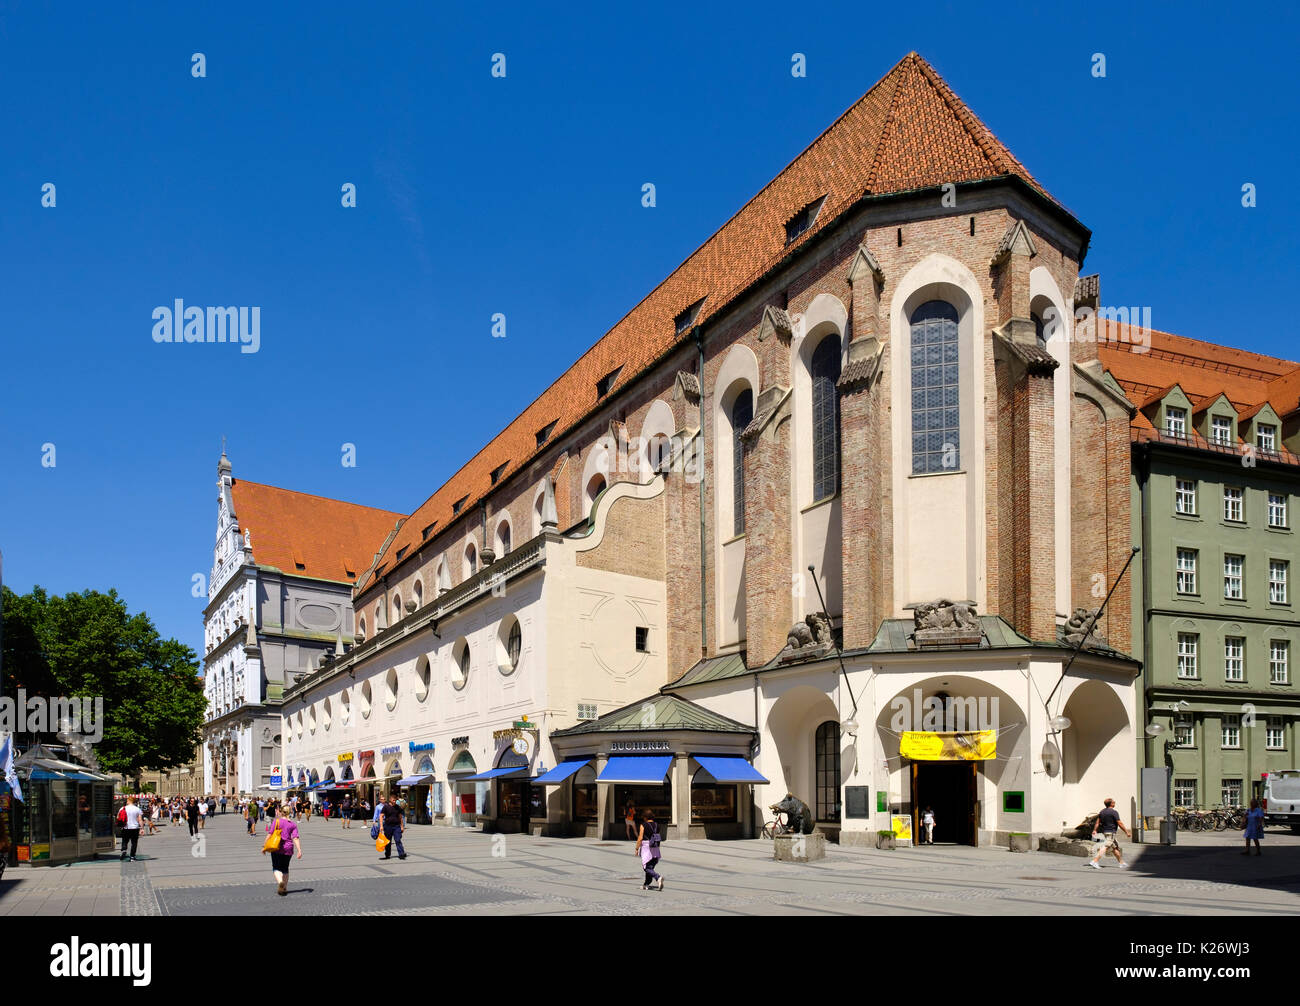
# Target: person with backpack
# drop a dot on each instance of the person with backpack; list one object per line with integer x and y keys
{"x": 130, "y": 817}
{"x": 394, "y": 822}
{"x": 647, "y": 847}
{"x": 283, "y": 841}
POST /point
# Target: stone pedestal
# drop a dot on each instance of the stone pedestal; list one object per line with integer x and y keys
{"x": 799, "y": 848}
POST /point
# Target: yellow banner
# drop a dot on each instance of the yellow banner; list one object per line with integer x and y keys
{"x": 902, "y": 825}
{"x": 979, "y": 745}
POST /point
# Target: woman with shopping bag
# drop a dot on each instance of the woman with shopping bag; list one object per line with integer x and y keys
{"x": 282, "y": 842}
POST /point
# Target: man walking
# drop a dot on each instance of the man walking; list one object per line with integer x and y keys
{"x": 394, "y": 821}
{"x": 223, "y": 803}
{"x": 131, "y": 820}
{"x": 1105, "y": 834}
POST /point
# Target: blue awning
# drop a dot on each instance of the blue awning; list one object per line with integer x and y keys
{"x": 729, "y": 768}
{"x": 494, "y": 773}
{"x": 643, "y": 769}
{"x": 45, "y": 775}
{"x": 561, "y": 772}
{"x": 413, "y": 780}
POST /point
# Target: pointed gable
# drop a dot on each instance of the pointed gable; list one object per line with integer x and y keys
{"x": 909, "y": 131}
{"x": 307, "y": 535}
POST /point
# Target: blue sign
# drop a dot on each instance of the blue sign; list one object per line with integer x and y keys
{"x": 419, "y": 747}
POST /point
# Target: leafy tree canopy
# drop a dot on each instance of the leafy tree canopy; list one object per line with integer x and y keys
{"x": 88, "y": 644}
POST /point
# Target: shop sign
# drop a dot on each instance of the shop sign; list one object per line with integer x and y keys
{"x": 902, "y": 826}
{"x": 979, "y": 745}
{"x": 363, "y": 755}
{"x": 345, "y": 756}
{"x": 413, "y": 747}
{"x": 639, "y": 746}
{"x": 40, "y": 852}
{"x": 277, "y": 775}
{"x": 24, "y": 853}
{"x": 460, "y": 742}
{"x": 395, "y": 749}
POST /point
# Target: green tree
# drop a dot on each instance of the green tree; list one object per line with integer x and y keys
{"x": 88, "y": 644}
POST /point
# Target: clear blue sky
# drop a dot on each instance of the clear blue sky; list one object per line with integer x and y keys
{"x": 519, "y": 195}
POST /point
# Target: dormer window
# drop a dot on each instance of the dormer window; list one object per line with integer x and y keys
{"x": 687, "y": 318}
{"x": 801, "y": 221}
{"x": 544, "y": 434}
{"x": 402, "y": 552}
{"x": 1220, "y": 430}
{"x": 604, "y": 385}
{"x": 1176, "y": 422}
{"x": 424, "y": 535}
{"x": 1266, "y": 438}
{"x": 497, "y": 472}
{"x": 455, "y": 507}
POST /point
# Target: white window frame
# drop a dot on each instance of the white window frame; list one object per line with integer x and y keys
{"x": 1275, "y": 733}
{"x": 1279, "y": 662}
{"x": 1234, "y": 658}
{"x": 1185, "y": 572}
{"x": 1188, "y": 644}
{"x": 1266, "y": 438}
{"x": 1277, "y": 510}
{"x": 1184, "y": 730}
{"x": 1225, "y": 790}
{"x": 1234, "y": 577}
{"x": 1176, "y": 422}
{"x": 1230, "y": 732}
{"x": 1185, "y": 497}
{"x": 1220, "y": 430}
{"x": 1278, "y": 571}
{"x": 1182, "y": 787}
{"x": 1234, "y": 504}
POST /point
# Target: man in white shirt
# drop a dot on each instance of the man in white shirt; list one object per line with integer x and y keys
{"x": 131, "y": 827}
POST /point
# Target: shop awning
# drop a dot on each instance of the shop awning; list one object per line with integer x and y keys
{"x": 561, "y": 772}
{"x": 729, "y": 768}
{"x": 494, "y": 773}
{"x": 626, "y": 769}
{"x": 413, "y": 780}
{"x": 45, "y": 775}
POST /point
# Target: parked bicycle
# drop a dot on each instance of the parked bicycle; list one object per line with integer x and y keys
{"x": 776, "y": 827}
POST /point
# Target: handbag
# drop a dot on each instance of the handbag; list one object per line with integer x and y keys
{"x": 374, "y": 830}
{"x": 272, "y": 843}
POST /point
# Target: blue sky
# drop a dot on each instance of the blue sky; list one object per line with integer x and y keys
{"x": 521, "y": 195}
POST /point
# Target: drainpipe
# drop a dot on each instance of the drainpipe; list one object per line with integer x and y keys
{"x": 704, "y": 426}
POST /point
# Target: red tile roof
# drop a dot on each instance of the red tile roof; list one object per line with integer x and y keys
{"x": 1203, "y": 370}
{"x": 909, "y": 131}
{"x": 310, "y": 535}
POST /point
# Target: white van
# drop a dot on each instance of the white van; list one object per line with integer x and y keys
{"x": 1282, "y": 798}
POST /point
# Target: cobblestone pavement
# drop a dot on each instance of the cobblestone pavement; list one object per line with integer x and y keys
{"x": 453, "y": 871}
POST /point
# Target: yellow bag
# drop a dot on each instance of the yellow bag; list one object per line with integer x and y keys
{"x": 381, "y": 843}
{"x": 272, "y": 843}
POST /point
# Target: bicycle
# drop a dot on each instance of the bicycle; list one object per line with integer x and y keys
{"x": 775, "y": 827}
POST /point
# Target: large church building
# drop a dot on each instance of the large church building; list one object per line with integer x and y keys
{"x": 826, "y": 514}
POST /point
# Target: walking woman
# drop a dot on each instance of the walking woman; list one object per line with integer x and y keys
{"x": 290, "y": 845}
{"x": 1254, "y": 827}
{"x": 629, "y": 819}
{"x": 647, "y": 847}
{"x": 250, "y": 811}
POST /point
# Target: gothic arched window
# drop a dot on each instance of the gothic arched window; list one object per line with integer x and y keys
{"x": 825, "y": 371}
{"x": 936, "y": 392}
{"x": 742, "y": 414}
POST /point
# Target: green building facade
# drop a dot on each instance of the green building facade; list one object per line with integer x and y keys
{"x": 1214, "y": 602}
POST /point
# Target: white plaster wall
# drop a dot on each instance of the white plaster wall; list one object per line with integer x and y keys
{"x": 1044, "y": 291}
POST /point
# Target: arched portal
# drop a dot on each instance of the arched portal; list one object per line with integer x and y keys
{"x": 944, "y": 772}
{"x": 810, "y": 773}
{"x": 1096, "y": 748}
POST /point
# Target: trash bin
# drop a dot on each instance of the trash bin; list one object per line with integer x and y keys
{"x": 1168, "y": 832}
